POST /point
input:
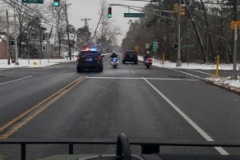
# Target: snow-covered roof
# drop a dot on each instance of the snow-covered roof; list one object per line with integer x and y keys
{"x": 2, "y": 37}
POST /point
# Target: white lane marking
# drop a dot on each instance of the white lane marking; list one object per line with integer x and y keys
{"x": 186, "y": 73}
{"x": 202, "y": 72}
{"x": 15, "y": 80}
{"x": 163, "y": 79}
{"x": 112, "y": 78}
{"x": 189, "y": 120}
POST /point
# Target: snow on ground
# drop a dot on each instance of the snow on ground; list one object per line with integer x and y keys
{"x": 222, "y": 81}
{"x": 32, "y": 63}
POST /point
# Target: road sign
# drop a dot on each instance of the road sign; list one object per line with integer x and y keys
{"x": 33, "y": 1}
{"x": 134, "y": 15}
{"x": 147, "y": 46}
{"x": 188, "y": 45}
{"x": 233, "y": 23}
{"x": 136, "y": 48}
{"x": 175, "y": 45}
{"x": 155, "y": 46}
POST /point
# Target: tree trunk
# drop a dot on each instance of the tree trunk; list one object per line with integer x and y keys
{"x": 59, "y": 45}
{"x": 208, "y": 32}
{"x": 198, "y": 35}
{"x": 20, "y": 41}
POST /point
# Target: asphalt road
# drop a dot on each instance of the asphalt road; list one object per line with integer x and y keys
{"x": 146, "y": 104}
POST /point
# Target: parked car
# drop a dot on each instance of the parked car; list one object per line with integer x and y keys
{"x": 130, "y": 56}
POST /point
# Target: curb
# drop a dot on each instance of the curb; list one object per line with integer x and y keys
{"x": 224, "y": 86}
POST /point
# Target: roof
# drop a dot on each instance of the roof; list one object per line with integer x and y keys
{"x": 2, "y": 37}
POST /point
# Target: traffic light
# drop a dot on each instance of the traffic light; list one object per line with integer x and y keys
{"x": 175, "y": 45}
{"x": 56, "y": 3}
{"x": 11, "y": 43}
{"x": 182, "y": 10}
{"x": 175, "y": 8}
{"x": 109, "y": 12}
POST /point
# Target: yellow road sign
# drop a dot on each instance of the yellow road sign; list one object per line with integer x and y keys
{"x": 136, "y": 48}
{"x": 233, "y": 23}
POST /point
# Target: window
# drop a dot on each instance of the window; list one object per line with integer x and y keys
{"x": 44, "y": 36}
{"x": 43, "y": 47}
{"x": 34, "y": 35}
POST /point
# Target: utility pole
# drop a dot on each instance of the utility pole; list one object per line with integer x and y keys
{"x": 8, "y": 54}
{"x": 86, "y": 21}
{"x": 48, "y": 44}
{"x": 86, "y": 25}
{"x": 179, "y": 36}
{"x": 28, "y": 48}
{"x": 58, "y": 30}
{"x": 69, "y": 45}
{"x": 235, "y": 35}
{"x": 15, "y": 36}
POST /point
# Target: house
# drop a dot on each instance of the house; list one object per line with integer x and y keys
{"x": 39, "y": 38}
{"x": 3, "y": 47}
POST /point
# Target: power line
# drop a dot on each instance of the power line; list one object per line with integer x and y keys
{"x": 17, "y": 6}
{"x": 86, "y": 21}
{"x": 77, "y": 10}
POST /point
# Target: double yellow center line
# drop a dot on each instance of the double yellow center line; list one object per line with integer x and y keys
{"x": 15, "y": 124}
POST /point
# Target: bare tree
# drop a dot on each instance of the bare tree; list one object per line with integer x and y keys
{"x": 3, "y": 22}
{"x": 58, "y": 13}
{"x": 24, "y": 21}
{"x": 107, "y": 28}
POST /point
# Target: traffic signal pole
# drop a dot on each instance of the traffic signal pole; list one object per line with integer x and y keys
{"x": 8, "y": 51}
{"x": 179, "y": 35}
{"x": 235, "y": 35}
{"x": 69, "y": 45}
{"x": 15, "y": 37}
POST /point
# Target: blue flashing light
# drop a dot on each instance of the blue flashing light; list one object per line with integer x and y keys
{"x": 93, "y": 49}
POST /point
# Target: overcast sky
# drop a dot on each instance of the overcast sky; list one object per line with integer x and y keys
{"x": 81, "y": 9}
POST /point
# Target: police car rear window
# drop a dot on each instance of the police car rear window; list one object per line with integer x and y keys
{"x": 131, "y": 53}
{"x": 89, "y": 53}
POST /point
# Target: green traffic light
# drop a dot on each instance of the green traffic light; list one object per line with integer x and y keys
{"x": 109, "y": 16}
{"x": 56, "y": 4}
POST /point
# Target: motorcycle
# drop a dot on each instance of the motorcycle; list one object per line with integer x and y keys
{"x": 114, "y": 62}
{"x": 148, "y": 62}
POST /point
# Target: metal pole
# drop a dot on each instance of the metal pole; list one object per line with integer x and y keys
{"x": 207, "y": 47}
{"x": 8, "y": 54}
{"x": 217, "y": 65}
{"x": 15, "y": 37}
{"x": 179, "y": 36}
{"x": 69, "y": 46}
{"x": 235, "y": 52}
{"x": 40, "y": 38}
{"x": 28, "y": 48}
{"x": 48, "y": 48}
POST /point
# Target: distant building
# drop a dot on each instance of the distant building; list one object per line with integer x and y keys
{"x": 39, "y": 39}
{"x": 3, "y": 47}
